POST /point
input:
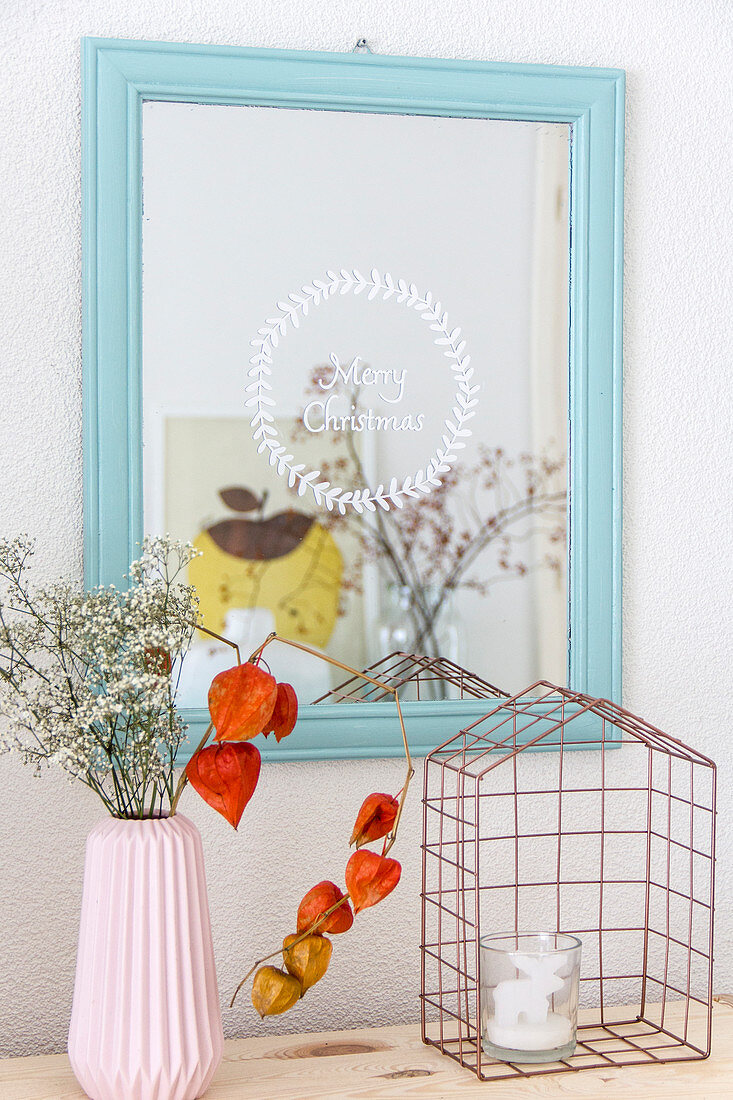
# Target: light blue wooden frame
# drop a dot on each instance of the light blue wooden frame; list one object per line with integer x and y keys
{"x": 119, "y": 75}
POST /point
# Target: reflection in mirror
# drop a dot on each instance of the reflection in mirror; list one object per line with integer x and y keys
{"x": 355, "y": 397}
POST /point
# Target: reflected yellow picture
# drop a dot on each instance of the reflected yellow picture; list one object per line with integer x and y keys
{"x": 287, "y": 563}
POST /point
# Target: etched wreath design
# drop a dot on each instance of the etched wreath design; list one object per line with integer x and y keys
{"x": 259, "y": 389}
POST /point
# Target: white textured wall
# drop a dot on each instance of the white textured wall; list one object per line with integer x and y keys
{"x": 679, "y": 59}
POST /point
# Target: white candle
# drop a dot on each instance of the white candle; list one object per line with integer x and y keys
{"x": 522, "y": 1019}
{"x": 555, "y": 1031}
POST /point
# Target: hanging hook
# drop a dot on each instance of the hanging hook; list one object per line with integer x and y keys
{"x": 362, "y": 46}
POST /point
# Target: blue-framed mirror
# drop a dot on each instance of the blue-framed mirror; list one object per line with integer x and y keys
{"x": 352, "y": 326}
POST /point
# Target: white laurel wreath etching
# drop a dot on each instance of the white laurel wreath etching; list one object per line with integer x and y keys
{"x": 259, "y": 389}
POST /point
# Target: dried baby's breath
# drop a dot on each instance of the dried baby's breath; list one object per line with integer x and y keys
{"x": 88, "y": 679}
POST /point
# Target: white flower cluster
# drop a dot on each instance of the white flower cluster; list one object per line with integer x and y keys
{"x": 88, "y": 679}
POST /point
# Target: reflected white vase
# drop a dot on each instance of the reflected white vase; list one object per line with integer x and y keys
{"x": 248, "y": 626}
{"x": 402, "y": 629}
{"x": 145, "y": 1021}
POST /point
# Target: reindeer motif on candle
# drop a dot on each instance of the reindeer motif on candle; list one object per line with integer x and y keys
{"x": 533, "y": 1014}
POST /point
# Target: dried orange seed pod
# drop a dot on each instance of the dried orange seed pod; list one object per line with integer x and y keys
{"x": 241, "y": 700}
{"x": 375, "y": 818}
{"x": 318, "y": 901}
{"x": 274, "y": 991}
{"x": 285, "y": 715}
{"x": 308, "y": 960}
{"x": 225, "y": 775}
{"x": 370, "y": 877}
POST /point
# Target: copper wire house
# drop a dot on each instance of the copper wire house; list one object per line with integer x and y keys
{"x": 560, "y": 812}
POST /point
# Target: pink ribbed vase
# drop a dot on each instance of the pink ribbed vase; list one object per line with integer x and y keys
{"x": 145, "y": 1022}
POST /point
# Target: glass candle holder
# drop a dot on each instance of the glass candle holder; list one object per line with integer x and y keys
{"x": 529, "y": 995}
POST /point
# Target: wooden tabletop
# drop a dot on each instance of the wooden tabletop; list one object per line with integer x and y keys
{"x": 392, "y": 1061}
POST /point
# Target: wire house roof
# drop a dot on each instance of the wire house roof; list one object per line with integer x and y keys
{"x": 398, "y": 670}
{"x": 543, "y": 715}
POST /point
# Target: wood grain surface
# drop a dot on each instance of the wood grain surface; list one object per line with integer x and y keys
{"x": 386, "y": 1062}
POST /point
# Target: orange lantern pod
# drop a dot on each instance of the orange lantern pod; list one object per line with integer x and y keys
{"x": 317, "y": 901}
{"x": 241, "y": 702}
{"x": 285, "y": 713}
{"x": 225, "y": 776}
{"x": 274, "y": 991}
{"x": 370, "y": 877}
{"x": 375, "y": 818}
{"x": 307, "y": 959}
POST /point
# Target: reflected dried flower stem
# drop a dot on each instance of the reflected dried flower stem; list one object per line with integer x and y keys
{"x": 433, "y": 545}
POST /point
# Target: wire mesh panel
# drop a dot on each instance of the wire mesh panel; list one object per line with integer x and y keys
{"x": 415, "y": 677}
{"x": 609, "y": 838}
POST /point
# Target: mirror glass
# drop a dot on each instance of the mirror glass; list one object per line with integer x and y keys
{"x": 355, "y": 383}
